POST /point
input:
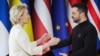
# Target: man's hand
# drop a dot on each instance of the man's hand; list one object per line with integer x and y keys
{"x": 63, "y": 54}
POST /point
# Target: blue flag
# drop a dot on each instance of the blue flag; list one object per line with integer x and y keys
{"x": 4, "y": 14}
{"x": 97, "y": 4}
{"x": 60, "y": 23}
{"x": 4, "y": 27}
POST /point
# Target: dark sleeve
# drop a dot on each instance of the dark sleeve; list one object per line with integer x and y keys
{"x": 63, "y": 43}
{"x": 89, "y": 44}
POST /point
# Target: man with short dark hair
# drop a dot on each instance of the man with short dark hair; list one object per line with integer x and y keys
{"x": 84, "y": 35}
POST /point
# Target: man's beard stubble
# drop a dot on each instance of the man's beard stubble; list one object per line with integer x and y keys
{"x": 76, "y": 21}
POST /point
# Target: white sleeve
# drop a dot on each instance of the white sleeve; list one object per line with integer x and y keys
{"x": 34, "y": 43}
{"x": 26, "y": 45}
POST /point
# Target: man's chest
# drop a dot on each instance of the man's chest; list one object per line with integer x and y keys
{"x": 78, "y": 36}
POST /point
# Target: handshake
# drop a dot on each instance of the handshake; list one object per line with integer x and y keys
{"x": 46, "y": 41}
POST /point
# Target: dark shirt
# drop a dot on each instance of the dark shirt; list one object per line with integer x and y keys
{"x": 83, "y": 40}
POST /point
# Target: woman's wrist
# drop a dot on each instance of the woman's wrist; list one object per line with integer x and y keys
{"x": 38, "y": 41}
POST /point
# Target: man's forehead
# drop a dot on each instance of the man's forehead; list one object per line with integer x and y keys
{"x": 74, "y": 9}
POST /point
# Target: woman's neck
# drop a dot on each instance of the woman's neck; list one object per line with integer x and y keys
{"x": 22, "y": 24}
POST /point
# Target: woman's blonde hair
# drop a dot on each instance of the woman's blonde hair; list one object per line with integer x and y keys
{"x": 15, "y": 13}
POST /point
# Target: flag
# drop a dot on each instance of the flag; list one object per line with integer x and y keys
{"x": 4, "y": 27}
{"x": 41, "y": 18}
{"x": 94, "y": 16}
{"x": 60, "y": 23}
{"x": 27, "y": 27}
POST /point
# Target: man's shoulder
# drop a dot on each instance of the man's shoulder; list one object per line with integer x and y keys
{"x": 90, "y": 26}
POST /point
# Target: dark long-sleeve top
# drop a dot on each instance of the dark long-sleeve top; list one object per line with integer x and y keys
{"x": 83, "y": 40}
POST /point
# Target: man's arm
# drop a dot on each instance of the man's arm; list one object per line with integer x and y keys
{"x": 63, "y": 43}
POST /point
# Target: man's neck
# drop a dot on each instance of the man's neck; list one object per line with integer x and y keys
{"x": 82, "y": 20}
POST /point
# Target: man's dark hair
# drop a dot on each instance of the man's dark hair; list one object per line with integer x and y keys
{"x": 81, "y": 7}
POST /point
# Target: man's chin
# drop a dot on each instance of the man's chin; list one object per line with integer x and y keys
{"x": 76, "y": 21}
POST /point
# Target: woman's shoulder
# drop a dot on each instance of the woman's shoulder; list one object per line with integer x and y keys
{"x": 15, "y": 30}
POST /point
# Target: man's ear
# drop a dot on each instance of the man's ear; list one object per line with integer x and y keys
{"x": 82, "y": 14}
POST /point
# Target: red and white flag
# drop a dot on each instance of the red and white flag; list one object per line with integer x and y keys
{"x": 41, "y": 18}
{"x": 94, "y": 14}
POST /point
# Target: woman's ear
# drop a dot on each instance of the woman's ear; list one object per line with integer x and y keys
{"x": 21, "y": 17}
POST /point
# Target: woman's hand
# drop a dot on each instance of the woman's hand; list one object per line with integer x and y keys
{"x": 53, "y": 41}
{"x": 45, "y": 37}
{"x": 46, "y": 50}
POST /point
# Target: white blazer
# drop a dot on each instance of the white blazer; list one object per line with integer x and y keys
{"x": 19, "y": 44}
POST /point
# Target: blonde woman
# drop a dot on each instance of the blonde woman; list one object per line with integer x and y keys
{"x": 19, "y": 44}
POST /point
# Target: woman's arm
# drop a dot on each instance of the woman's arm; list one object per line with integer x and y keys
{"x": 45, "y": 37}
